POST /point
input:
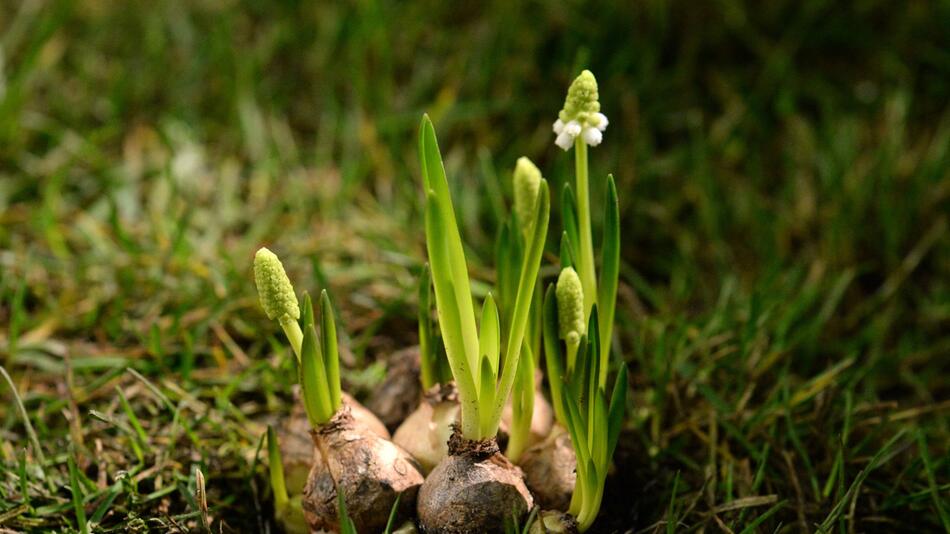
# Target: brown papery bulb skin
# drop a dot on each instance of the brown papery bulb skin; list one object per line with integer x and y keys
{"x": 425, "y": 433}
{"x": 474, "y": 489}
{"x": 549, "y": 470}
{"x": 397, "y": 396}
{"x": 296, "y": 445}
{"x": 369, "y": 470}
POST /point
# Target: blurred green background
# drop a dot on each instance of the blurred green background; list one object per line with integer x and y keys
{"x": 784, "y": 178}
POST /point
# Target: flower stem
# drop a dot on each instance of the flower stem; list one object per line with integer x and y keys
{"x": 293, "y": 332}
{"x": 586, "y": 266}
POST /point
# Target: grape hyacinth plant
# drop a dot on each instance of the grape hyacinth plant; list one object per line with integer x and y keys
{"x": 527, "y": 418}
{"x": 581, "y": 402}
{"x": 349, "y": 458}
{"x": 474, "y": 488}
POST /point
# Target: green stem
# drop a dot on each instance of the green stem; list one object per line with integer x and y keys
{"x": 294, "y": 334}
{"x": 586, "y": 266}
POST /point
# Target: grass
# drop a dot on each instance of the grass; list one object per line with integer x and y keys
{"x": 784, "y": 189}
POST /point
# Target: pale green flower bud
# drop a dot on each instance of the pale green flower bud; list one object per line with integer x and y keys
{"x": 581, "y": 114}
{"x": 526, "y": 181}
{"x": 273, "y": 287}
{"x": 582, "y": 99}
{"x": 570, "y": 306}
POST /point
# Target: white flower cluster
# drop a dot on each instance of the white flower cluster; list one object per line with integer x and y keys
{"x": 592, "y": 134}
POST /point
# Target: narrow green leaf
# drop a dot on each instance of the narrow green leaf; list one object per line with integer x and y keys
{"x": 489, "y": 336}
{"x": 114, "y": 491}
{"x": 486, "y": 394}
{"x": 609, "y": 275}
{"x": 346, "y": 523}
{"x": 331, "y": 351}
{"x": 427, "y": 355}
{"x": 435, "y": 181}
{"x": 391, "y": 522}
{"x": 445, "y": 303}
{"x": 77, "y": 495}
{"x": 580, "y": 377}
{"x": 593, "y": 363}
{"x": 577, "y": 427}
{"x": 276, "y": 469}
{"x": 526, "y": 286}
{"x": 313, "y": 378}
{"x": 553, "y": 355}
{"x": 140, "y": 434}
{"x": 522, "y": 405}
{"x": 566, "y": 251}
{"x": 598, "y": 434}
{"x": 618, "y": 404}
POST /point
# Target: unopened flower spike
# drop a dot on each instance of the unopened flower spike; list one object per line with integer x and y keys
{"x": 527, "y": 182}
{"x": 570, "y": 311}
{"x": 277, "y": 295}
{"x": 581, "y": 114}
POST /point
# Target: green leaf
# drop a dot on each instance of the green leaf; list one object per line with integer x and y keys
{"x": 313, "y": 378}
{"x": 579, "y": 378}
{"x": 455, "y": 267}
{"x": 391, "y": 522}
{"x": 618, "y": 404}
{"x": 489, "y": 337}
{"x": 449, "y": 321}
{"x": 486, "y": 394}
{"x": 553, "y": 354}
{"x": 598, "y": 433}
{"x": 566, "y": 251}
{"x": 609, "y": 275}
{"x": 526, "y": 286}
{"x": 276, "y": 468}
{"x": 331, "y": 352}
{"x": 426, "y": 350}
{"x": 577, "y": 427}
{"x": 346, "y": 523}
{"x": 77, "y": 495}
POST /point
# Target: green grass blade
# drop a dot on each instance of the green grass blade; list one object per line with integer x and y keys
{"x": 754, "y": 524}
{"x": 346, "y": 523}
{"x": 391, "y": 522}
{"x": 37, "y": 450}
{"x": 77, "y": 495}
{"x": 140, "y": 434}
{"x": 331, "y": 351}
{"x": 932, "y": 480}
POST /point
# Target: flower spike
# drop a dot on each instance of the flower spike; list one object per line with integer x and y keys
{"x": 526, "y": 181}
{"x": 581, "y": 114}
{"x": 274, "y": 287}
